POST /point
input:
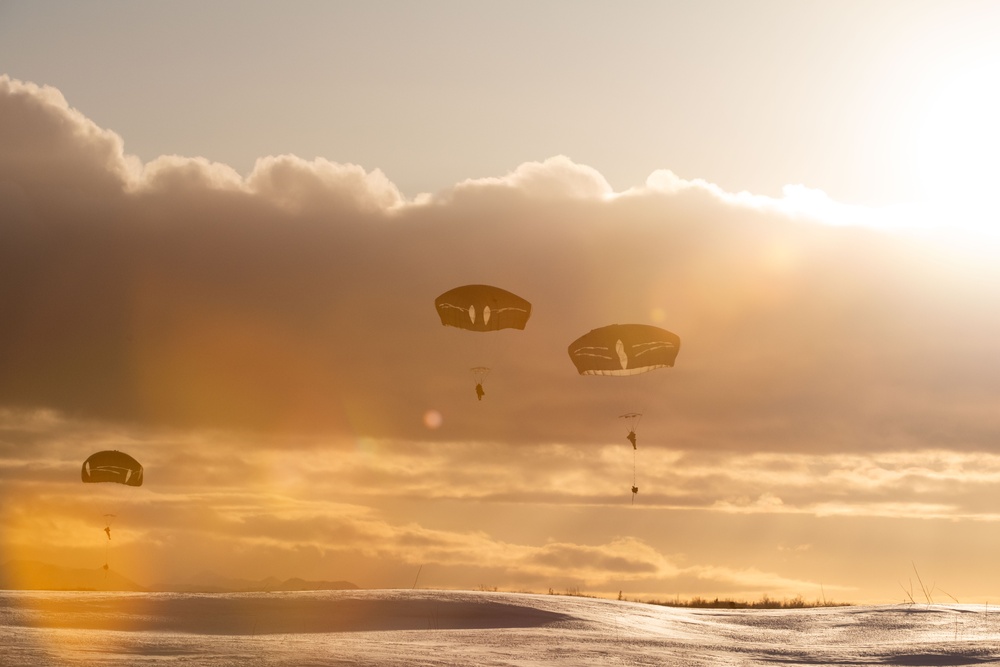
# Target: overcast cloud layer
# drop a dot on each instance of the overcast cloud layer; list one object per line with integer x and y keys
{"x": 215, "y": 325}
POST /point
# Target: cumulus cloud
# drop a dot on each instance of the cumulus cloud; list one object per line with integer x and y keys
{"x": 176, "y": 174}
{"x": 180, "y": 293}
{"x": 556, "y": 178}
{"x": 50, "y": 148}
{"x": 299, "y": 185}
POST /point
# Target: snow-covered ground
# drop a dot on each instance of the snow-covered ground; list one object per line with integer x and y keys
{"x": 421, "y": 627}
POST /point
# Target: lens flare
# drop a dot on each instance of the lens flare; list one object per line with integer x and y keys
{"x": 433, "y": 419}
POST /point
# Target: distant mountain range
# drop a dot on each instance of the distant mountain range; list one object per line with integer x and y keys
{"x": 212, "y": 582}
{"x": 32, "y": 575}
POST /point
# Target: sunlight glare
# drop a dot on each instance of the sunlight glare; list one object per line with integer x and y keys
{"x": 959, "y": 143}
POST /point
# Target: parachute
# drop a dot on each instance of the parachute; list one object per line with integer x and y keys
{"x": 482, "y": 309}
{"x": 624, "y": 350}
{"x": 112, "y": 466}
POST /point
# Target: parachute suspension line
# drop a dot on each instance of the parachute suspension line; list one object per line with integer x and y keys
{"x": 631, "y": 420}
{"x": 635, "y": 489}
{"x": 108, "y": 519}
{"x": 479, "y": 374}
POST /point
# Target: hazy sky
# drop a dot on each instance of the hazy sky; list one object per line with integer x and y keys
{"x": 223, "y": 227}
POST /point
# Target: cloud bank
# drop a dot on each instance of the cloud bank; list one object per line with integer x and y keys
{"x": 299, "y": 297}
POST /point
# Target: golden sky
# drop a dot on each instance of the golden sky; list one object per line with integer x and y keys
{"x": 260, "y": 333}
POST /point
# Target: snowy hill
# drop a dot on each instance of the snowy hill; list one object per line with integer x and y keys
{"x": 423, "y": 627}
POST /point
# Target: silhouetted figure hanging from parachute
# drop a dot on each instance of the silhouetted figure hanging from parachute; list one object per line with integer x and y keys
{"x": 482, "y": 309}
{"x": 623, "y": 350}
{"x": 111, "y": 466}
{"x": 631, "y": 421}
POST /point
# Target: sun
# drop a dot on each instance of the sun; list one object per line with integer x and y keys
{"x": 959, "y": 141}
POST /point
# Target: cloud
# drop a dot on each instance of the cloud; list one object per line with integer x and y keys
{"x": 172, "y": 174}
{"x": 751, "y": 579}
{"x": 52, "y": 150}
{"x": 556, "y": 178}
{"x": 178, "y": 293}
{"x": 299, "y": 185}
{"x": 267, "y": 346}
{"x": 367, "y": 509}
{"x": 798, "y": 202}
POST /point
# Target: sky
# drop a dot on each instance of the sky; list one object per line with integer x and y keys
{"x": 223, "y": 228}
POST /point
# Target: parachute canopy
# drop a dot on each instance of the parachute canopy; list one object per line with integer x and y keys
{"x": 482, "y": 308}
{"x": 112, "y": 466}
{"x": 624, "y": 349}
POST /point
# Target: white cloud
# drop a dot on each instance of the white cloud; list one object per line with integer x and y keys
{"x": 50, "y": 148}
{"x": 180, "y": 175}
{"x": 299, "y": 185}
{"x": 556, "y": 178}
